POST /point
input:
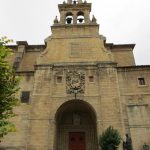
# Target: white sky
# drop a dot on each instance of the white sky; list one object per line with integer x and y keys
{"x": 121, "y": 21}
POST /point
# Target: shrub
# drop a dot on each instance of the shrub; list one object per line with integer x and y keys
{"x": 110, "y": 139}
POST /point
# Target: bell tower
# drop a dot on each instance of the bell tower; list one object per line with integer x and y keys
{"x": 75, "y": 36}
{"x": 74, "y": 12}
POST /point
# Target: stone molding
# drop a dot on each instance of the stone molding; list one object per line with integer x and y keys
{"x": 13, "y": 148}
{"x": 134, "y": 68}
{"x": 79, "y": 64}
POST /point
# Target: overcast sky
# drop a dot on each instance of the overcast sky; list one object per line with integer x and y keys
{"x": 121, "y": 21}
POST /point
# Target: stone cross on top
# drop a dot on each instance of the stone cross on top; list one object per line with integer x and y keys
{"x": 74, "y": 1}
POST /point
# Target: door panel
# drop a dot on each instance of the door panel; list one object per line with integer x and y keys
{"x": 76, "y": 141}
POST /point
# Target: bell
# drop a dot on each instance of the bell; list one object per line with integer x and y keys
{"x": 74, "y": 2}
{"x": 69, "y": 20}
{"x": 80, "y": 20}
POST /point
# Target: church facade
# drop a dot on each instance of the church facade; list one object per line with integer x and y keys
{"x": 77, "y": 85}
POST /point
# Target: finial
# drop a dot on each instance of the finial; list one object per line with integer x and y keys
{"x": 94, "y": 19}
{"x": 56, "y": 20}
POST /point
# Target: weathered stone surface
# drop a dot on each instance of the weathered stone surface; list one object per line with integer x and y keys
{"x": 112, "y": 93}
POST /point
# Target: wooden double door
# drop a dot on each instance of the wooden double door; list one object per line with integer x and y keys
{"x": 77, "y": 141}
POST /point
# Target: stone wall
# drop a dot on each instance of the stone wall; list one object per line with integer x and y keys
{"x": 136, "y": 104}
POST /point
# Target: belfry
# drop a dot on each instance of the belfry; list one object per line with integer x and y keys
{"x": 77, "y": 85}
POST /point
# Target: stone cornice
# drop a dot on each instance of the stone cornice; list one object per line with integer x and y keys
{"x": 31, "y": 73}
{"x": 134, "y": 68}
{"x": 68, "y": 7}
{"x": 116, "y": 47}
{"x": 77, "y": 64}
{"x": 135, "y": 94}
{"x": 28, "y": 47}
{"x": 74, "y": 25}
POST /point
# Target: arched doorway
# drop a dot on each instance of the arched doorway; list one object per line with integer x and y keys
{"x": 76, "y": 126}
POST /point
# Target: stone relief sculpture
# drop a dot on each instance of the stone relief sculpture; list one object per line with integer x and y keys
{"x": 75, "y": 81}
{"x": 76, "y": 119}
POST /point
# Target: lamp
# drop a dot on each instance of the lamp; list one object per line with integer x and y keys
{"x": 75, "y": 90}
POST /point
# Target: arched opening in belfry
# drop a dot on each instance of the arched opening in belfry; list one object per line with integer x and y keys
{"x": 80, "y": 17}
{"x": 75, "y": 2}
{"x": 69, "y": 18}
{"x": 76, "y": 126}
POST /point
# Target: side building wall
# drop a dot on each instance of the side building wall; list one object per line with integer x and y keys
{"x": 116, "y": 94}
{"x": 122, "y": 54}
{"x": 18, "y": 140}
{"x": 135, "y": 97}
{"x": 23, "y": 61}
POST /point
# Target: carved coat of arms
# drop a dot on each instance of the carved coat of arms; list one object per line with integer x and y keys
{"x": 75, "y": 80}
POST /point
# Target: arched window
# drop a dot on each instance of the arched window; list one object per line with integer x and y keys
{"x": 80, "y": 17}
{"x": 69, "y": 18}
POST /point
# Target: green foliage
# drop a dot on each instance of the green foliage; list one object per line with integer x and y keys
{"x": 110, "y": 139}
{"x": 8, "y": 88}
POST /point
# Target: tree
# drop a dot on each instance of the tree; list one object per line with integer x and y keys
{"x": 110, "y": 139}
{"x": 8, "y": 88}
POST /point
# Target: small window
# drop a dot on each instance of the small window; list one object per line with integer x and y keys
{"x": 59, "y": 79}
{"x": 141, "y": 81}
{"x": 25, "y": 96}
{"x": 91, "y": 78}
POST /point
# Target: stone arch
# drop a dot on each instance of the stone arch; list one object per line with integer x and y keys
{"x": 76, "y": 116}
{"x": 69, "y": 18}
{"x": 80, "y": 17}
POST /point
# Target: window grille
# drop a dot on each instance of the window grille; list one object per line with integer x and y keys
{"x": 25, "y": 96}
{"x": 141, "y": 81}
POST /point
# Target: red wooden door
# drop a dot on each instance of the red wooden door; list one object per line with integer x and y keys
{"x": 76, "y": 141}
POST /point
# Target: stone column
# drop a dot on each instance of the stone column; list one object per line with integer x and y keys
{"x": 52, "y": 134}
{"x": 99, "y": 127}
{"x": 38, "y": 136}
{"x": 74, "y": 18}
{"x": 87, "y": 17}
{"x": 62, "y": 18}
